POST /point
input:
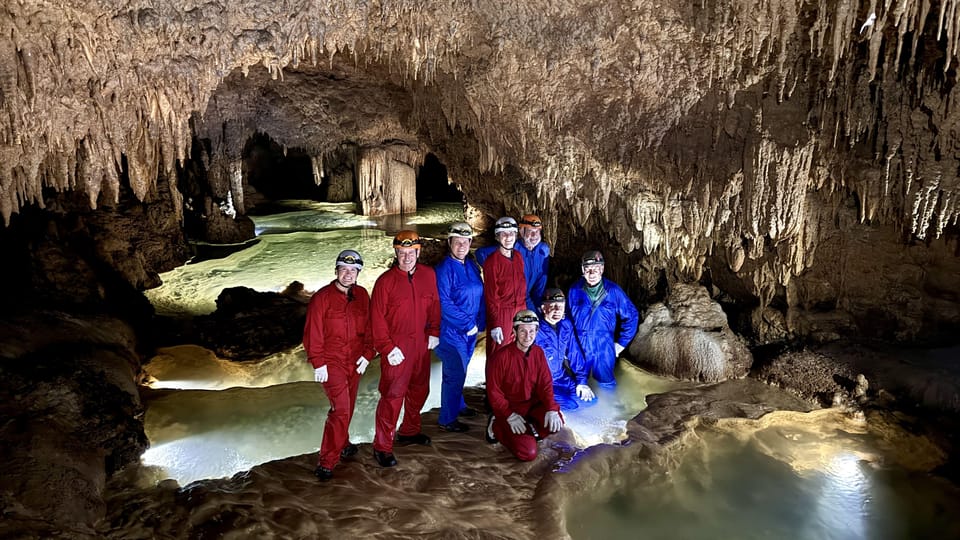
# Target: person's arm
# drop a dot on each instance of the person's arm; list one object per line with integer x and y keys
{"x": 452, "y": 310}
{"x": 366, "y": 333}
{"x": 540, "y": 282}
{"x": 491, "y": 292}
{"x": 575, "y": 357}
{"x": 628, "y": 319}
{"x": 496, "y": 397}
{"x": 313, "y": 337}
{"x": 433, "y": 310}
{"x": 543, "y": 387}
{"x": 382, "y": 341}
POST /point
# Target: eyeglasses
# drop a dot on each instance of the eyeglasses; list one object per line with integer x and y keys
{"x": 406, "y": 242}
{"x": 535, "y": 223}
{"x": 592, "y": 267}
{"x": 461, "y": 232}
{"x": 526, "y": 319}
{"x": 350, "y": 259}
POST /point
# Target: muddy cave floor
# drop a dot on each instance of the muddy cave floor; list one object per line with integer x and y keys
{"x": 462, "y": 487}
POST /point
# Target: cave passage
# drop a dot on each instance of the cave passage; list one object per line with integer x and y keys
{"x": 226, "y": 416}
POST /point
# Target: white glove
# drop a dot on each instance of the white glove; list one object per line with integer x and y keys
{"x": 320, "y": 374}
{"x": 432, "y": 342}
{"x": 517, "y": 424}
{"x": 552, "y": 421}
{"x": 362, "y": 364}
{"x": 395, "y": 356}
{"x": 497, "y": 335}
{"x": 617, "y": 348}
{"x": 472, "y": 331}
{"x": 585, "y": 393}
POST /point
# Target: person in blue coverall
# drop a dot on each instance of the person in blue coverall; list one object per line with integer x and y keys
{"x": 567, "y": 365}
{"x": 536, "y": 258}
{"x": 604, "y": 317}
{"x": 462, "y": 317}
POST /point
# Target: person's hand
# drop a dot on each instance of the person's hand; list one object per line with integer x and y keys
{"x": 617, "y": 349}
{"x": 432, "y": 342}
{"x": 320, "y": 374}
{"x": 497, "y": 335}
{"x": 552, "y": 421}
{"x": 585, "y": 393}
{"x": 395, "y": 356}
{"x": 362, "y": 364}
{"x": 472, "y": 331}
{"x": 517, "y": 424}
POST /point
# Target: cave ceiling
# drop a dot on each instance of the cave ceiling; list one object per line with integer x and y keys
{"x": 680, "y": 129}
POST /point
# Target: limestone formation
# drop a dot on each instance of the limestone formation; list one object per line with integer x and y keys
{"x": 696, "y": 134}
{"x": 688, "y": 337}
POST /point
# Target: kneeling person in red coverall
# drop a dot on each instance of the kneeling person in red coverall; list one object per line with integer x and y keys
{"x": 405, "y": 319}
{"x": 520, "y": 390}
{"x": 339, "y": 347}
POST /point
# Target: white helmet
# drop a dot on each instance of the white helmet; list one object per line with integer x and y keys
{"x": 460, "y": 229}
{"x": 505, "y": 224}
{"x": 350, "y": 258}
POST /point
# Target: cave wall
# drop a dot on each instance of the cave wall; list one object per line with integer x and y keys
{"x": 679, "y": 132}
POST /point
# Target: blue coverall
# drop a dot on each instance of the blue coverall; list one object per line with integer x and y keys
{"x": 482, "y": 253}
{"x": 536, "y": 266}
{"x": 613, "y": 319}
{"x": 461, "y": 308}
{"x": 565, "y": 360}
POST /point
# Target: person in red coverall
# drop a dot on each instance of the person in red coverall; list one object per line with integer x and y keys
{"x": 405, "y": 319}
{"x": 339, "y": 347}
{"x": 504, "y": 286}
{"x": 520, "y": 391}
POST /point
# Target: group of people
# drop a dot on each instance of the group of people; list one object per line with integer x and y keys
{"x": 537, "y": 364}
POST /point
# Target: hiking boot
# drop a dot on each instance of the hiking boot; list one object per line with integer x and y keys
{"x": 419, "y": 438}
{"x": 349, "y": 451}
{"x": 323, "y": 473}
{"x": 385, "y": 459}
{"x": 455, "y": 427}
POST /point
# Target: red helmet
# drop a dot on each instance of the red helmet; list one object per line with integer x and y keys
{"x": 406, "y": 239}
{"x": 531, "y": 220}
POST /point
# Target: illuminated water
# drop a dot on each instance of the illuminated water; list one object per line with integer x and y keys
{"x": 823, "y": 480}
{"x": 221, "y": 417}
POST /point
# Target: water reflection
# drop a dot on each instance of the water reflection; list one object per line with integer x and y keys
{"x": 785, "y": 481}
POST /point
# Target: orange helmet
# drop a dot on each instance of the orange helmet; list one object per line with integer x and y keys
{"x": 531, "y": 220}
{"x": 406, "y": 239}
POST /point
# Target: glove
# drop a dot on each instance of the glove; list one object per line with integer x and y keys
{"x": 395, "y": 356}
{"x": 617, "y": 348}
{"x": 585, "y": 393}
{"x": 320, "y": 374}
{"x": 472, "y": 331}
{"x": 432, "y": 342}
{"x": 552, "y": 421}
{"x": 362, "y": 364}
{"x": 517, "y": 424}
{"x": 497, "y": 335}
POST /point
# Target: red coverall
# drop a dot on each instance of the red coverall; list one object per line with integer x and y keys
{"x": 505, "y": 293}
{"x": 405, "y": 309}
{"x": 336, "y": 336}
{"x": 519, "y": 382}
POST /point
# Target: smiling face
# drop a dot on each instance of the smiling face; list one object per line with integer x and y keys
{"x": 347, "y": 276}
{"x": 531, "y": 236}
{"x": 526, "y": 334}
{"x": 407, "y": 257}
{"x": 459, "y": 247}
{"x": 507, "y": 239}
{"x": 592, "y": 274}
{"x": 553, "y": 311}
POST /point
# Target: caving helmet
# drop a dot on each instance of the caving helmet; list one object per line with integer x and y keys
{"x": 532, "y": 221}
{"x": 591, "y": 258}
{"x": 407, "y": 239}
{"x": 350, "y": 258}
{"x": 526, "y": 316}
{"x": 505, "y": 224}
{"x": 460, "y": 229}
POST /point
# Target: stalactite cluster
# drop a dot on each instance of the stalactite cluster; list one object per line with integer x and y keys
{"x": 686, "y": 129}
